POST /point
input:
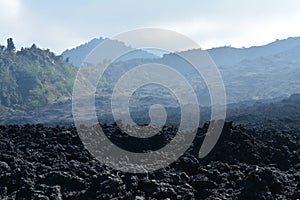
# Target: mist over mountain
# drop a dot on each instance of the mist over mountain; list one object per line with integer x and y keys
{"x": 263, "y": 72}
{"x": 222, "y": 56}
{"x": 226, "y": 56}
{"x": 264, "y": 77}
{"x": 77, "y": 55}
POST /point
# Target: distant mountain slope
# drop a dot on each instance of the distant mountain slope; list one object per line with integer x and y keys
{"x": 77, "y": 55}
{"x": 254, "y": 73}
{"x": 32, "y": 78}
{"x": 223, "y": 56}
{"x": 264, "y": 77}
{"x": 264, "y": 72}
{"x": 229, "y": 55}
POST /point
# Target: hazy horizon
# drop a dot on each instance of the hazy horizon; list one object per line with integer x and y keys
{"x": 61, "y": 25}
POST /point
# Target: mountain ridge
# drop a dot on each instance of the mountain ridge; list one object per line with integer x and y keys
{"x": 77, "y": 55}
{"x": 263, "y": 77}
{"x": 222, "y": 56}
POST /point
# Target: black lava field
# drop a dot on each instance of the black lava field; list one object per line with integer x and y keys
{"x": 248, "y": 162}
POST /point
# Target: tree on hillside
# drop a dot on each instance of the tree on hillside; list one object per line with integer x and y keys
{"x": 33, "y": 46}
{"x": 10, "y": 45}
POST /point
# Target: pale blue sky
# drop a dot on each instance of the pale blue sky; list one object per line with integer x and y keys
{"x": 62, "y": 24}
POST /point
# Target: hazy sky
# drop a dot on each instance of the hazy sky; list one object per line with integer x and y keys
{"x": 62, "y": 24}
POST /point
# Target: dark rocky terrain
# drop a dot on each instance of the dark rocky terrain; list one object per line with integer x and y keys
{"x": 277, "y": 113}
{"x": 257, "y": 160}
{"x": 40, "y": 162}
{"x": 42, "y": 156}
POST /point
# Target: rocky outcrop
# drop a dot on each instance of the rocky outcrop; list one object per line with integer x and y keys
{"x": 38, "y": 162}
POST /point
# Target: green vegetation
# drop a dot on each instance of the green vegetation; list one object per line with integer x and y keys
{"x": 33, "y": 77}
